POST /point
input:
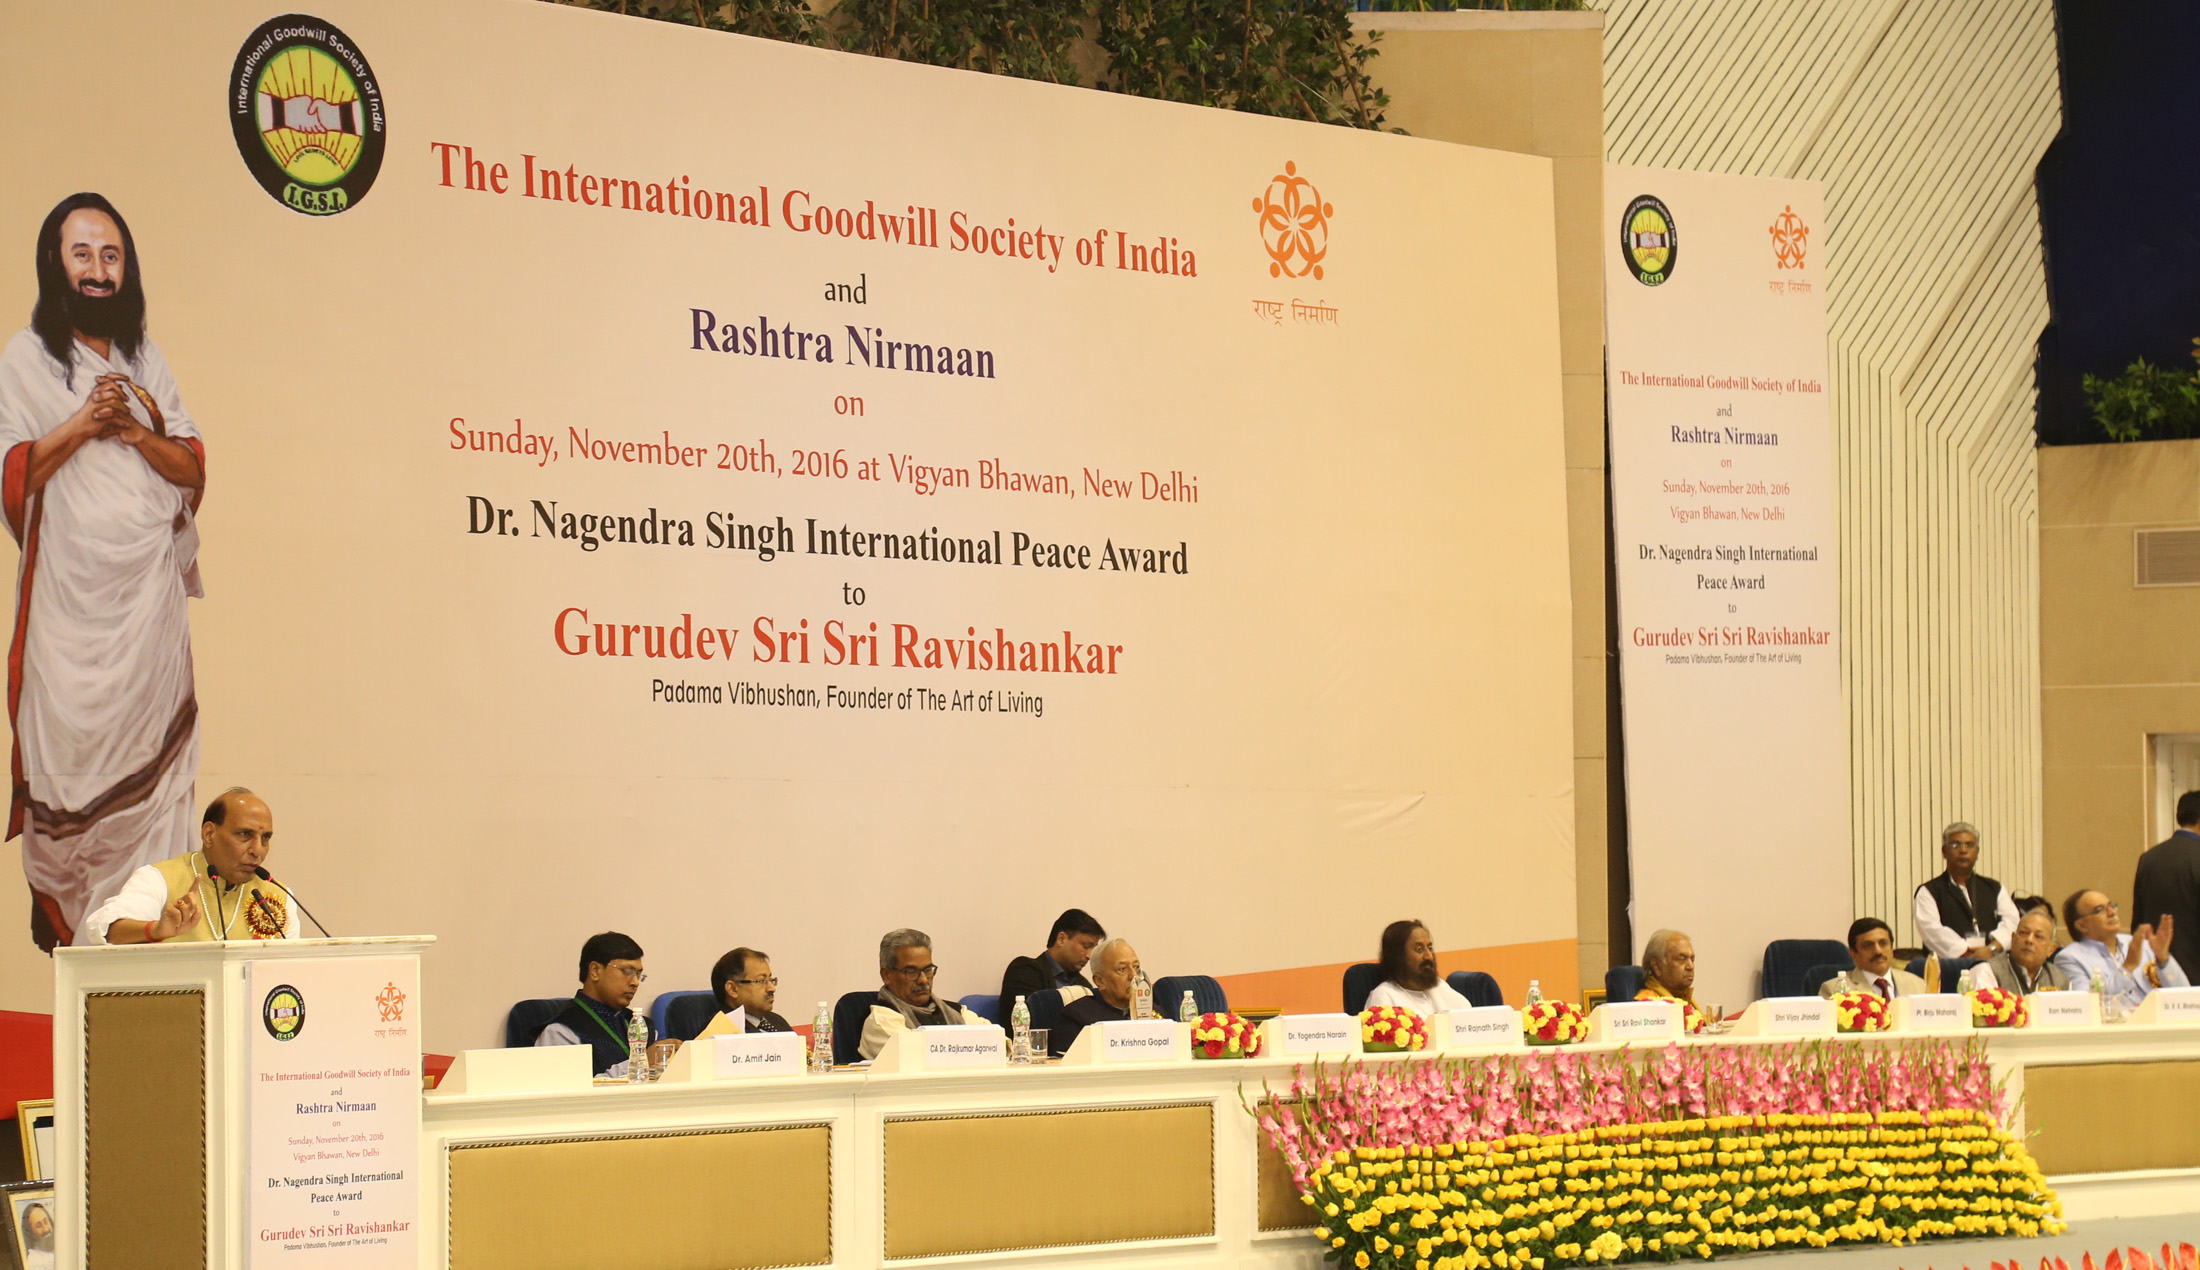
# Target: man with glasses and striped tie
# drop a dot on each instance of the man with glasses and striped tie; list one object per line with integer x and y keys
{"x": 611, "y": 973}
{"x": 746, "y": 989}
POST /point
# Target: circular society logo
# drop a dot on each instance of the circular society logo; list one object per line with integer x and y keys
{"x": 284, "y": 1013}
{"x": 307, "y": 114}
{"x": 1648, "y": 240}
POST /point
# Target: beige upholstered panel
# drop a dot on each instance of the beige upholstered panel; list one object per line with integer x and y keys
{"x": 1280, "y": 1205}
{"x": 145, "y": 1130}
{"x": 2081, "y": 1116}
{"x": 966, "y": 1184}
{"x": 727, "y": 1200}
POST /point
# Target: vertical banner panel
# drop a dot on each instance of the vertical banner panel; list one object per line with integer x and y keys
{"x": 333, "y": 1114}
{"x": 1723, "y": 531}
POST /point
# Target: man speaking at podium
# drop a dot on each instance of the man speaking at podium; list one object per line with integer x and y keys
{"x": 216, "y": 892}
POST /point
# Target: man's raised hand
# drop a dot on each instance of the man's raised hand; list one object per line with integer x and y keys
{"x": 181, "y": 915}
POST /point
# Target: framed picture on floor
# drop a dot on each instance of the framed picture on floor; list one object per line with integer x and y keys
{"x": 32, "y": 1224}
{"x": 35, "y": 1120}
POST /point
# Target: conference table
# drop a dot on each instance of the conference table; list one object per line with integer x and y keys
{"x": 168, "y": 1059}
{"x": 1151, "y": 1163}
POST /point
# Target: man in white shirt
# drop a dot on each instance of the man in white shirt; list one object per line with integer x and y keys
{"x": 1871, "y": 946}
{"x": 2130, "y": 968}
{"x": 1961, "y": 913}
{"x": 220, "y": 891}
{"x": 101, "y": 471}
{"x": 1408, "y": 960}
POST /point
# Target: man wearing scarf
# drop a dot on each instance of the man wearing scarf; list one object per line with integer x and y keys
{"x": 611, "y": 973}
{"x": 905, "y": 1001}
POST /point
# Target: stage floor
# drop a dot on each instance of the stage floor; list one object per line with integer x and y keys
{"x": 2100, "y": 1237}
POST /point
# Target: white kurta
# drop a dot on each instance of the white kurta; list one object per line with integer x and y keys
{"x": 145, "y": 894}
{"x": 100, "y": 684}
{"x": 1440, "y": 999}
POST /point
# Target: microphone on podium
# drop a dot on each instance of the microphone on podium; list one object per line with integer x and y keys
{"x": 265, "y": 876}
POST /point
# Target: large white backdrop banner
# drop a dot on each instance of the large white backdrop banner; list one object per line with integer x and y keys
{"x": 1723, "y": 540}
{"x": 739, "y": 494}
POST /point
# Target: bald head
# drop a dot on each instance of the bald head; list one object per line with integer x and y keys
{"x": 236, "y": 834}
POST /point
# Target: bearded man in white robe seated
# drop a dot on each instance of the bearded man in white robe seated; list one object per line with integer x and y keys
{"x": 101, "y": 471}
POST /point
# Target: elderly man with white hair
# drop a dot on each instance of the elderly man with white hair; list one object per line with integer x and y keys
{"x": 1668, "y": 968}
{"x": 1962, "y": 913}
{"x": 1114, "y": 973}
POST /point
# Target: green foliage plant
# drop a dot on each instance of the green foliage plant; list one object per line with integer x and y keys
{"x": 2147, "y": 402}
{"x": 1297, "y": 59}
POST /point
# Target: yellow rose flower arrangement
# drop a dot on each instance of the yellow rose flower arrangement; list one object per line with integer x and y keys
{"x": 1683, "y": 1188}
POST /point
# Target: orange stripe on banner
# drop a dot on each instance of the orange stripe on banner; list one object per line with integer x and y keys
{"x": 1320, "y": 989}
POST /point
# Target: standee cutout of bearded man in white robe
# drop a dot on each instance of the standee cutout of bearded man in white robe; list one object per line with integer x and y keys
{"x": 102, "y": 473}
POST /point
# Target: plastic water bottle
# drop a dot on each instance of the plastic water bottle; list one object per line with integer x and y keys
{"x": 1019, "y": 1025}
{"x": 1535, "y": 992}
{"x": 821, "y": 1039}
{"x": 1188, "y": 1010}
{"x": 1141, "y": 996}
{"x": 1966, "y": 980}
{"x": 637, "y": 1049}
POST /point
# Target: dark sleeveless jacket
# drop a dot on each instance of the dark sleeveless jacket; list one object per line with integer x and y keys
{"x": 1969, "y": 911}
{"x": 595, "y": 1023}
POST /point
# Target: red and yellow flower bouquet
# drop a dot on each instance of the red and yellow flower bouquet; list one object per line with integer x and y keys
{"x": 1224, "y": 1036}
{"x": 1553, "y": 1023}
{"x": 1389, "y": 1029}
{"x": 1998, "y": 1007}
{"x": 1861, "y": 1012}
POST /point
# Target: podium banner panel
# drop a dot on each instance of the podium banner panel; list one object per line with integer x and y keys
{"x": 333, "y": 1113}
{"x": 1724, "y": 541}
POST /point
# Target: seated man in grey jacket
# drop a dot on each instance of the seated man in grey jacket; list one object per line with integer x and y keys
{"x": 906, "y": 970}
{"x": 2027, "y": 965}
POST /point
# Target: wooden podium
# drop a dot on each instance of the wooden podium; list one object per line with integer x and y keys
{"x": 151, "y": 1057}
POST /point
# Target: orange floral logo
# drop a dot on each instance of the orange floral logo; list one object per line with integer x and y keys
{"x": 391, "y": 999}
{"x": 1789, "y": 237}
{"x": 1294, "y": 224}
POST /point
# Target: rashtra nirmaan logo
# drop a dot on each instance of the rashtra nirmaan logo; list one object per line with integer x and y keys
{"x": 1789, "y": 237}
{"x": 1294, "y": 225}
{"x": 307, "y": 115}
{"x": 391, "y": 1002}
{"x": 1648, "y": 240}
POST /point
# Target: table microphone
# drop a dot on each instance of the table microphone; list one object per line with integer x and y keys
{"x": 265, "y": 876}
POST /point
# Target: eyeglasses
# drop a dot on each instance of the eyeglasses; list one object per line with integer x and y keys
{"x": 632, "y": 972}
{"x": 772, "y": 982}
{"x": 918, "y": 972}
{"x": 2099, "y": 909}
